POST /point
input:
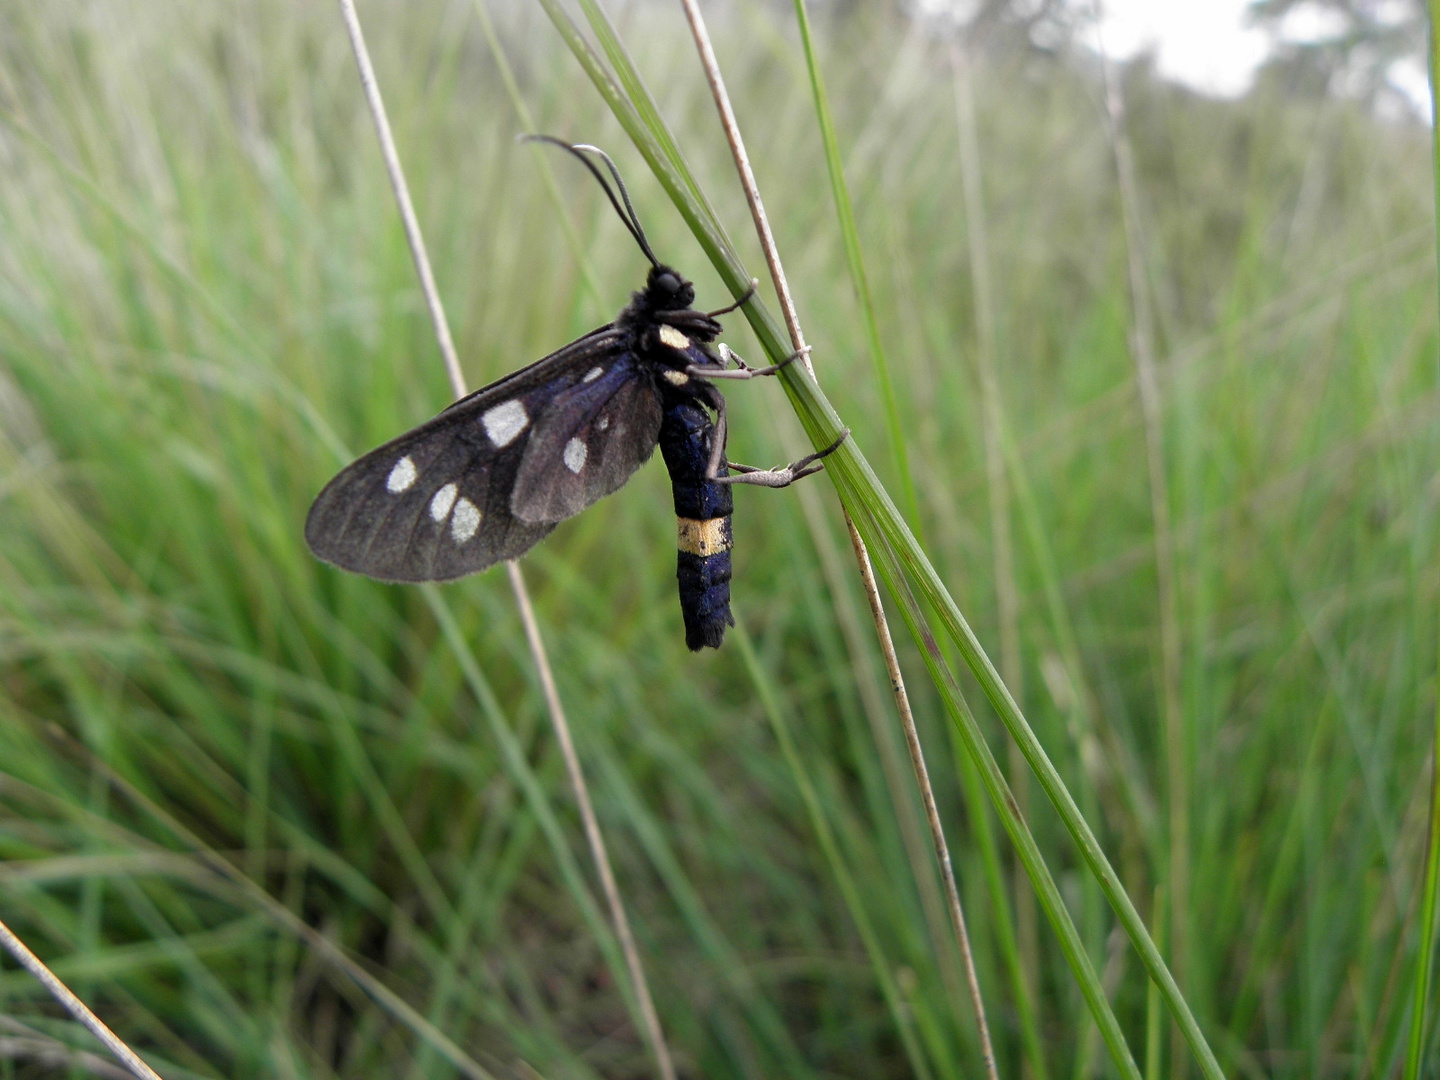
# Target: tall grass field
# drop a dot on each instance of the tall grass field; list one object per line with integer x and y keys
{"x": 1166, "y": 423}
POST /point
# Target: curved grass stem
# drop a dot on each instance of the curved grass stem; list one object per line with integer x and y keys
{"x": 859, "y": 488}
{"x": 862, "y": 556}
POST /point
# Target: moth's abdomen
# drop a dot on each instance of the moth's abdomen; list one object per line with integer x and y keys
{"x": 702, "y": 510}
{"x": 704, "y": 593}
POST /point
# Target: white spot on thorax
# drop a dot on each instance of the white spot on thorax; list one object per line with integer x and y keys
{"x": 604, "y": 422}
{"x": 593, "y": 374}
{"x": 401, "y": 476}
{"x": 466, "y": 520}
{"x": 674, "y": 338}
{"x": 676, "y": 378}
{"x": 505, "y": 422}
{"x": 443, "y": 500}
{"x": 575, "y": 454}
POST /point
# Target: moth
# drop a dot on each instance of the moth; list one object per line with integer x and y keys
{"x": 488, "y": 478}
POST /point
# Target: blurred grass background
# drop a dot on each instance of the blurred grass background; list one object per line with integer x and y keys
{"x": 206, "y": 303}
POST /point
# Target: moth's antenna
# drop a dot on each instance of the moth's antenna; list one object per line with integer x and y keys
{"x": 624, "y": 194}
{"x": 627, "y": 212}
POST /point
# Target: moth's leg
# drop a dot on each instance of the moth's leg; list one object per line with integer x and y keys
{"x": 744, "y": 371}
{"x": 717, "y": 444}
{"x": 745, "y": 299}
{"x": 781, "y": 477}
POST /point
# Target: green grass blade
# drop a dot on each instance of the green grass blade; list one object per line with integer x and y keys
{"x": 844, "y": 208}
{"x": 850, "y": 235}
{"x": 996, "y": 787}
{"x": 1430, "y": 898}
{"x": 860, "y": 489}
{"x": 1152, "y": 995}
{"x": 1023, "y": 994}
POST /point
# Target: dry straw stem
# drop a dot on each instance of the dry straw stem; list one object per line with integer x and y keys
{"x": 651, "y": 1020}
{"x": 73, "y": 1005}
{"x": 862, "y": 556}
{"x": 1142, "y": 347}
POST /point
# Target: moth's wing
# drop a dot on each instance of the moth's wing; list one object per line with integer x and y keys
{"x": 434, "y": 504}
{"x": 588, "y": 443}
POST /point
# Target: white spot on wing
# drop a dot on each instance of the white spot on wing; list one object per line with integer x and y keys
{"x": 575, "y": 453}
{"x": 443, "y": 500}
{"x": 593, "y": 374}
{"x": 674, "y": 338}
{"x": 604, "y": 422}
{"x": 505, "y": 422}
{"x": 676, "y": 378}
{"x": 465, "y": 521}
{"x": 401, "y": 476}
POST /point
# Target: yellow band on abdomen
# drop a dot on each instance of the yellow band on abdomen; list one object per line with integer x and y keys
{"x": 704, "y": 537}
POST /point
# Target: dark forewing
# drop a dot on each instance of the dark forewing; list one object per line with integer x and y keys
{"x": 435, "y": 503}
{"x": 588, "y": 442}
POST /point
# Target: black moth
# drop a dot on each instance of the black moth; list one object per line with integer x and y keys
{"x": 490, "y": 476}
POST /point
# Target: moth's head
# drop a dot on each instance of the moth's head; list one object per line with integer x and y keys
{"x": 667, "y": 290}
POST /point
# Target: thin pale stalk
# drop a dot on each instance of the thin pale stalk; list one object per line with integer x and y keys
{"x": 651, "y": 1022}
{"x": 1000, "y": 795}
{"x": 73, "y": 1005}
{"x": 907, "y": 813}
{"x": 592, "y": 828}
{"x": 413, "y": 235}
{"x": 927, "y": 794}
{"x": 747, "y": 180}
{"x": 1147, "y": 384}
{"x": 1430, "y": 898}
{"x": 908, "y": 820}
{"x": 862, "y": 557}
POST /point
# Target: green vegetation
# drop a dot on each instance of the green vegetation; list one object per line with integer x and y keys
{"x": 208, "y": 742}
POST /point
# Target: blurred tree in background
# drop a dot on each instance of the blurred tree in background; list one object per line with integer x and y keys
{"x": 1351, "y": 48}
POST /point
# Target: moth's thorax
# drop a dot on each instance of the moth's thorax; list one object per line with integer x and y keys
{"x": 668, "y": 335}
{"x": 675, "y": 358}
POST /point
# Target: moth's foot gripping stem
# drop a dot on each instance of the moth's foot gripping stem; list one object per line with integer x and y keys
{"x": 784, "y": 476}
{"x": 742, "y": 370}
